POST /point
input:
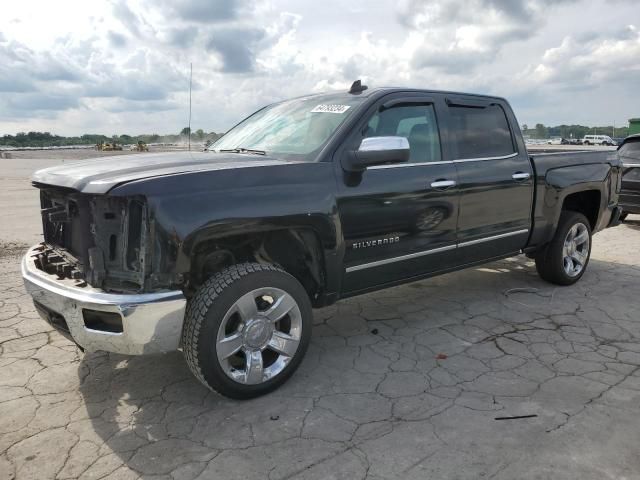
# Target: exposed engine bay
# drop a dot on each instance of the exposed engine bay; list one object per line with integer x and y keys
{"x": 97, "y": 239}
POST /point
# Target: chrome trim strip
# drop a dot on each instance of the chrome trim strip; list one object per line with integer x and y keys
{"x": 397, "y": 165}
{"x": 482, "y": 159}
{"x": 494, "y": 237}
{"x": 377, "y": 263}
{"x": 630, "y": 165}
{"x": 443, "y": 162}
{"x": 409, "y": 256}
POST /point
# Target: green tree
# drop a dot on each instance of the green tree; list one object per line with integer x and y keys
{"x": 200, "y": 134}
{"x": 541, "y": 131}
{"x": 185, "y": 131}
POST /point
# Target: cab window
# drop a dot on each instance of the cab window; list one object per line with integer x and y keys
{"x": 417, "y": 123}
{"x": 481, "y": 132}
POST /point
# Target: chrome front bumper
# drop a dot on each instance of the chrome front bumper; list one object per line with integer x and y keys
{"x": 151, "y": 322}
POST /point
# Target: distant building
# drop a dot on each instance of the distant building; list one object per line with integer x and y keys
{"x": 634, "y": 126}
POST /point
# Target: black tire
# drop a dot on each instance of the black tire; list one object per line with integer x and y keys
{"x": 205, "y": 313}
{"x": 623, "y": 216}
{"x": 550, "y": 262}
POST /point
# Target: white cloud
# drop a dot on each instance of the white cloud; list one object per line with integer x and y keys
{"x": 123, "y": 66}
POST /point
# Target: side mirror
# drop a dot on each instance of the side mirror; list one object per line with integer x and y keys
{"x": 377, "y": 151}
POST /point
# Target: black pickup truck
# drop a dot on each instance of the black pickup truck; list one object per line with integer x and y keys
{"x": 224, "y": 253}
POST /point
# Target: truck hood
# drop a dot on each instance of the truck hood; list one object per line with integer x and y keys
{"x": 99, "y": 175}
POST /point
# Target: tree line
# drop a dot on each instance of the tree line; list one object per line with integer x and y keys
{"x": 572, "y": 131}
{"x": 46, "y": 139}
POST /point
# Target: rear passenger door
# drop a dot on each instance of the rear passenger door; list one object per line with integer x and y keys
{"x": 495, "y": 178}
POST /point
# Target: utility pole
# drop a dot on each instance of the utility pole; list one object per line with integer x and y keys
{"x": 190, "y": 81}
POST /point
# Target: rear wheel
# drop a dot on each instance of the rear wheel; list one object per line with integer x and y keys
{"x": 247, "y": 329}
{"x": 566, "y": 257}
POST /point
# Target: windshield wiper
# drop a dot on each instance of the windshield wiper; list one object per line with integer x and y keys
{"x": 243, "y": 150}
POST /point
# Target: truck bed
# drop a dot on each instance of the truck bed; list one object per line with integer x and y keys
{"x": 549, "y": 156}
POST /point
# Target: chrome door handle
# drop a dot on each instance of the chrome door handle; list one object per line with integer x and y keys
{"x": 520, "y": 176}
{"x": 442, "y": 184}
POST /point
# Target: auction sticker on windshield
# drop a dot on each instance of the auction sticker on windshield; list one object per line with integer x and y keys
{"x": 330, "y": 108}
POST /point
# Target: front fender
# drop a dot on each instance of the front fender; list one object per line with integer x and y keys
{"x": 187, "y": 210}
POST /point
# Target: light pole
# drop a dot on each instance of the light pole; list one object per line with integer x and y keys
{"x": 190, "y": 79}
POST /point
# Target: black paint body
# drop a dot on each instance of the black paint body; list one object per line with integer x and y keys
{"x": 630, "y": 156}
{"x": 200, "y": 199}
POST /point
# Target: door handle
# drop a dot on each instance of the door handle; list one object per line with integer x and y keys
{"x": 520, "y": 176}
{"x": 443, "y": 184}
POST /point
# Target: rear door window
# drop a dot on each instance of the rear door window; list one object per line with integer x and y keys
{"x": 480, "y": 132}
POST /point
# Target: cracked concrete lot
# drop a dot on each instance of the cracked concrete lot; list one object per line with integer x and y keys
{"x": 404, "y": 383}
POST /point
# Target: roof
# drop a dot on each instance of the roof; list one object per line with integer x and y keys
{"x": 426, "y": 90}
{"x": 370, "y": 91}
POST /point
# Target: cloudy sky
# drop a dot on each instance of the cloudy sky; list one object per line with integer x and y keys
{"x": 115, "y": 66}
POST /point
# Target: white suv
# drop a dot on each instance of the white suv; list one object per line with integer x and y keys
{"x": 597, "y": 140}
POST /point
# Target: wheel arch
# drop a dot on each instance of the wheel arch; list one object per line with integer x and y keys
{"x": 297, "y": 250}
{"x": 587, "y": 202}
{"x": 581, "y": 188}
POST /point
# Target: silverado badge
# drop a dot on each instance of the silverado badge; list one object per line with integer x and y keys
{"x": 376, "y": 242}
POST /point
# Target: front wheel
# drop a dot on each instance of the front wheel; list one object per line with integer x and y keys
{"x": 565, "y": 258}
{"x": 247, "y": 329}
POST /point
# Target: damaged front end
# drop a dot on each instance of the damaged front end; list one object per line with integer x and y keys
{"x": 98, "y": 239}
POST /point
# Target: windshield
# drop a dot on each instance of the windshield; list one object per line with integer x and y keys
{"x": 294, "y": 129}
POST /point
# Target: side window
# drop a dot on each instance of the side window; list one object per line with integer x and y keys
{"x": 632, "y": 174}
{"x": 630, "y": 149}
{"x": 481, "y": 131}
{"x": 417, "y": 123}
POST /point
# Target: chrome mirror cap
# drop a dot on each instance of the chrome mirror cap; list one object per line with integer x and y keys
{"x": 377, "y": 151}
{"x": 381, "y": 144}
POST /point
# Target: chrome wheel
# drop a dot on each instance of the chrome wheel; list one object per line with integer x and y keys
{"x": 575, "y": 251}
{"x": 259, "y": 335}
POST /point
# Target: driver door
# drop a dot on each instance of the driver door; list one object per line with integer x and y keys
{"x": 399, "y": 221}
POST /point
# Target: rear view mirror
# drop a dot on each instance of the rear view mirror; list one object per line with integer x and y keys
{"x": 377, "y": 151}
